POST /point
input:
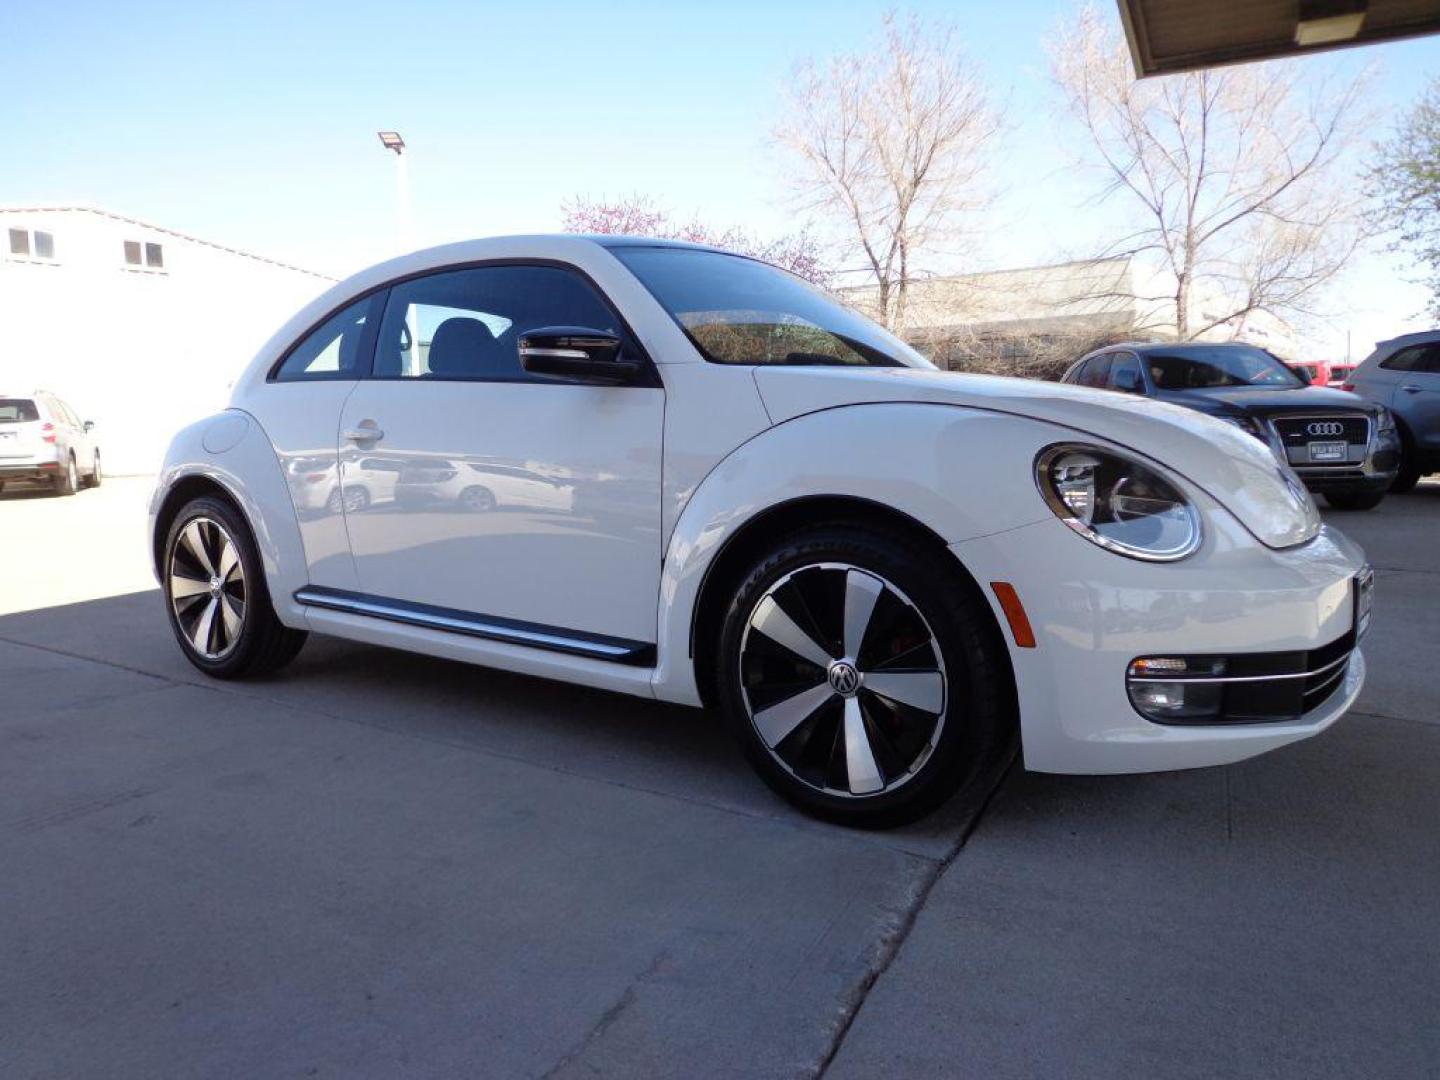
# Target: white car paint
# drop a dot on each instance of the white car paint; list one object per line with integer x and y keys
{"x": 664, "y": 477}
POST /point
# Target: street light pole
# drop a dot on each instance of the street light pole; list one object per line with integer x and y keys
{"x": 391, "y": 140}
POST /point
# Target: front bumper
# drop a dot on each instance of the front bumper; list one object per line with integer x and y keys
{"x": 1094, "y": 612}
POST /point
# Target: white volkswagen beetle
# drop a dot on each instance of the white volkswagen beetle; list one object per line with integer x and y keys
{"x": 877, "y": 573}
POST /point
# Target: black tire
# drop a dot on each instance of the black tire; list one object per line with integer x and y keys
{"x": 1408, "y": 476}
{"x": 263, "y": 644}
{"x": 94, "y": 479}
{"x": 976, "y": 721}
{"x": 1354, "y": 500}
{"x": 68, "y": 481}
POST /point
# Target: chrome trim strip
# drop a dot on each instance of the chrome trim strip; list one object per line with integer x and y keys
{"x": 509, "y": 631}
{"x": 1244, "y": 678}
{"x": 1326, "y": 685}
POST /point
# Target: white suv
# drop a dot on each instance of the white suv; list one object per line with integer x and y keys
{"x": 41, "y": 439}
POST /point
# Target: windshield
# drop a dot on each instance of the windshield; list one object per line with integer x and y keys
{"x": 739, "y": 311}
{"x": 17, "y": 411}
{"x": 1203, "y": 367}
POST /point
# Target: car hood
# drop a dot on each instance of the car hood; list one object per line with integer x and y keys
{"x": 1234, "y": 468}
{"x": 1232, "y": 400}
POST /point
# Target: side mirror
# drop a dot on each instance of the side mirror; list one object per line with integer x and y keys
{"x": 577, "y": 354}
{"x": 89, "y": 425}
{"x": 1127, "y": 381}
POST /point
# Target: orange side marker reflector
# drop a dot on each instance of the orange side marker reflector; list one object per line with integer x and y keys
{"x": 1015, "y": 613}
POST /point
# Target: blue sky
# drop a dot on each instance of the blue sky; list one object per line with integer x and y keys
{"x": 254, "y": 124}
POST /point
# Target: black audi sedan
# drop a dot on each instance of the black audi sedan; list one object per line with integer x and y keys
{"x": 1341, "y": 447}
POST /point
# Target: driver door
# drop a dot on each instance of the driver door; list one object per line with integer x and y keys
{"x": 515, "y": 497}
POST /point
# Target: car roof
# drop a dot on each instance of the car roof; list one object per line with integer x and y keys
{"x": 1418, "y": 337}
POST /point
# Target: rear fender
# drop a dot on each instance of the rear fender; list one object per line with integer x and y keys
{"x": 231, "y": 450}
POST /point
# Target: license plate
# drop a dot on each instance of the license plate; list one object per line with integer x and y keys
{"x": 1364, "y": 600}
{"x": 1328, "y": 451}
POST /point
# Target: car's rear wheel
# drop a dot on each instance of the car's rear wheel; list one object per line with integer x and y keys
{"x": 68, "y": 482}
{"x": 1354, "y": 500}
{"x": 864, "y": 675}
{"x": 216, "y": 597}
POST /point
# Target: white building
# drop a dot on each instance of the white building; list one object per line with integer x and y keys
{"x": 140, "y": 328}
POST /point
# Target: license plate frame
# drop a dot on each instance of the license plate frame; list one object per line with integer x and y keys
{"x": 1329, "y": 450}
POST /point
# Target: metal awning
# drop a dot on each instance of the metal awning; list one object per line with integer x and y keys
{"x": 1180, "y": 35}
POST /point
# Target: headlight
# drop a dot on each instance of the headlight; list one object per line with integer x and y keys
{"x": 1245, "y": 424}
{"x": 1117, "y": 502}
{"x": 1386, "y": 421}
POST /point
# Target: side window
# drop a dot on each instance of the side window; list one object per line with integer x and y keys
{"x": 1404, "y": 360}
{"x": 333, "y": 349}
{"x": 1096, "y": 372}
{"x": 464, "y": 324}
{"x": 1429, "y": 363}
{"x": 1125, "y": 374}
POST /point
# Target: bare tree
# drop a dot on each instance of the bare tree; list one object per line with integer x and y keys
{"x": 640, "y": 215}
{"x": 1238, "y": 177}
{"x": 1406, "y": 183}
{"x": 890, "y": 145}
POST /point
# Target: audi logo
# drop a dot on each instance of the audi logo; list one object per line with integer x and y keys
{"x": 1325, "y": 427}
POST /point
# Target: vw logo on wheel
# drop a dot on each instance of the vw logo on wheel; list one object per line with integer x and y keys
{"x": 1325, "y": 427}
{"x": 844, "y": 679}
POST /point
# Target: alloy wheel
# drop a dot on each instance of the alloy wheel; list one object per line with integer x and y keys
{"x": 843, "y": 680}
{"x": 206, "y": 583}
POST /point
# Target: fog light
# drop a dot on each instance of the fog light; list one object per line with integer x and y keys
{"x": 1187, "y": 697}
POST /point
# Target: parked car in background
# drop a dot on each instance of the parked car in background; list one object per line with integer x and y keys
{"x": 748, "y": 496}
{"x": 1339, "y": 371}
{"x": 42, "y": 440}
{"x": 1314, "y": 372}
{"x": 1403, "y": 375}
{"x": 1344, "y": 449}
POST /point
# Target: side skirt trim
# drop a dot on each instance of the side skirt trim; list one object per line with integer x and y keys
{"x": 490, "y": 627}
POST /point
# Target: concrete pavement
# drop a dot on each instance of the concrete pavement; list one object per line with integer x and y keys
{"x": 377, "y": 864}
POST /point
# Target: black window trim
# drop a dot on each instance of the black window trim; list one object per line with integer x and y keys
{"x": 649, "y": 371}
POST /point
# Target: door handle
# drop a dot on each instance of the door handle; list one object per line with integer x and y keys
{"x": 1411, "y": 389}
{"x": 365, "y": 431}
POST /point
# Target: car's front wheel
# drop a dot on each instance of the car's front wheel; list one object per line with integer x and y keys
{"x": 216, "y": 597}
{"x": 1354, "y": 500}
{"x": 864, "y": 675}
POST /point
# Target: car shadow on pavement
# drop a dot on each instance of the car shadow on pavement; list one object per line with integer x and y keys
{"x": 679, "y": 752}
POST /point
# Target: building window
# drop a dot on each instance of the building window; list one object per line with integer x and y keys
{"x": 146, "y": 255}
{"x": 32, "y": 245}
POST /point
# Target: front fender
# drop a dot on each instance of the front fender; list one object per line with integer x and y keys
{"x": 231, "y": 449}
{"x": 962, "y": 473}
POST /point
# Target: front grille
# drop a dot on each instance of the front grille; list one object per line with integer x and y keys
{"x": 1297, "y": 430}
